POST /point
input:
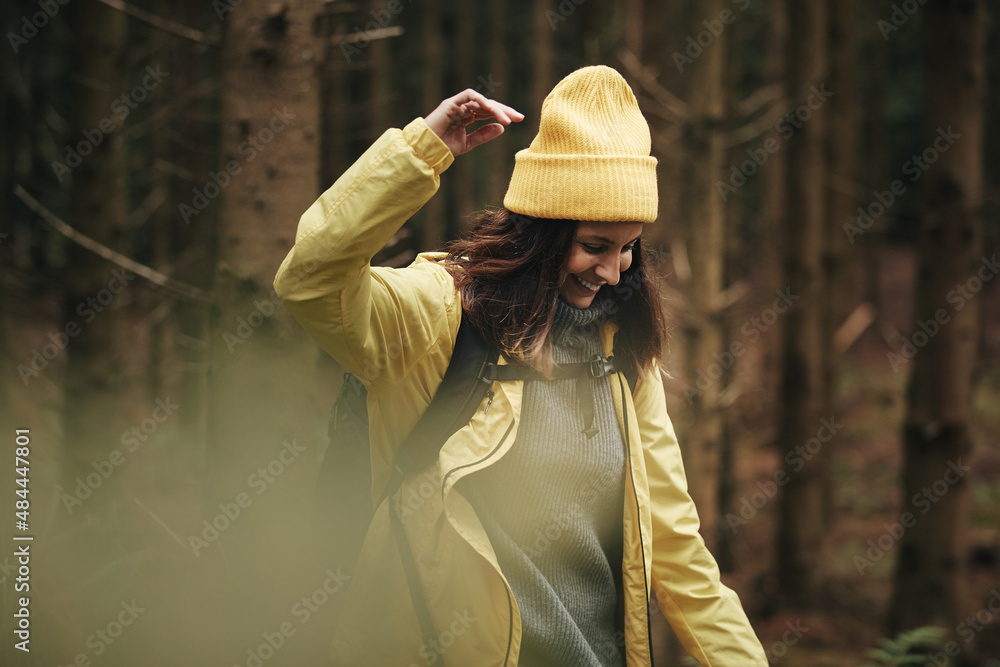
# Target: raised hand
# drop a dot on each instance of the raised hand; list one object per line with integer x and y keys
{"x": 454, "y": 114}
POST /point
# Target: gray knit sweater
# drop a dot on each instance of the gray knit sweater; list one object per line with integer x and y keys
{"x": 552, "y": 507}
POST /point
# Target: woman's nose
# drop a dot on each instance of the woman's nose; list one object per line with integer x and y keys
{"x": 609, "y": 270}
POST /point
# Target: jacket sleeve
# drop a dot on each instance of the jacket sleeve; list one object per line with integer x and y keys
{"x": 706, "y": 615}
{"x": 376, "y": 322}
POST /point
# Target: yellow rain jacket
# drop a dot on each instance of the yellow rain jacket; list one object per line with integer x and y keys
{"x": 395, "y": 329}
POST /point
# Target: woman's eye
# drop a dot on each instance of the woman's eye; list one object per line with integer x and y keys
{"x": 593, "y": 249}
{"x": 628, "y": 248}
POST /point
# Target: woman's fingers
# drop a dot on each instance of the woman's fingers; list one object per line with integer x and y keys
{"x": 454, "y": 114}
{"x": 511, "y": 112}
{"x": 503, "y": 113}
{"x": 484, "y": 134}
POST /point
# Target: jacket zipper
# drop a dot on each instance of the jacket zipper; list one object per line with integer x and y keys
{"x": 642, "y": 548}
{"x": 471, "y": 396}
{"x": 444, "y": 483}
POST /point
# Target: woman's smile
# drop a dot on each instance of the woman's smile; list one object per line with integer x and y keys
{"x": 590, "y": 287}
{"x": 602, "y": 251}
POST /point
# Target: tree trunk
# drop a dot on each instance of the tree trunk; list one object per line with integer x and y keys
{"x": 335, "y": 102}
{"x": 498, "y": 152}
{"x": 800, "y": 529}
{"x": 875, "y": 172}
{"x": 991, "y": 166}
{"x": 379, "y": 78}
{"x": 542, "y": 81}
{"x": 11, "y": 116}
{"x": 463, "y": 172}
{"x": 433, "y": 211}
{"x": 103, "y": 383}
{"x": 929, "y": 586}
{"x": 657, "y": 49}
{"x": 189, "y": 245}
{"x": 635, "y": 25}
{"x": 774, "y": 183}
{"x": 264, "y": 368}
{"x": 704, "y": 324}
{"x": 844, "y": 113}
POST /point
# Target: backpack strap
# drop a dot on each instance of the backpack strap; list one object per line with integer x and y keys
{"x": 597, "y": 367}
{"x": 621, "y": 361}
{"x": 452, "y": 407}
{"x": 460, "y": 387}
{"x": 627, "y": 360}
{"x": 581, "y": 371}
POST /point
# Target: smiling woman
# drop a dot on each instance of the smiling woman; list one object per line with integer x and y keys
{"x": 599, "y": 255}
{"x": 560, "y": 509}
{"x": 513, "y": 269}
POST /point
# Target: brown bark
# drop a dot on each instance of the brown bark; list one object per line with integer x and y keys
{"x": 433, "y": 210}
{"x": 929, "y": 586}
{"x": 704, "y": 335}
{"x": 463, "y": 186}
{"x": 102, "y": 381}
{"x": 10, "y": 117}
{"x": 664, "y": 28}
{"x": 800, "y": 529}
{"x": 498, "y": 152}
{"x": 542, "y": 82}
{"x": 843, "y": 144}
{"x": 991, "y": 145}
{"x": 269, "y": 110}
{"x": 379, "y": 77}
{"x": 774, "y": 181}
{"x": 334, "y": 71}
{"x": 875, "y": 171}
{"x": 634, "y": 26}
{"x": 264, "y": 368}
{"x": 657, "y": 47}
{"x": 191, "y": 247}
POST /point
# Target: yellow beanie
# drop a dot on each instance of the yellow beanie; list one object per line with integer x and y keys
{"x": 590, "y": 159}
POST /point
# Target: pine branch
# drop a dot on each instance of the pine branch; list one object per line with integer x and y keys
{"x": 176, "y": 287}
{"x": 759, "y": 99}
{"x": 677, "y": 108}
{"x": 163, "y": 24}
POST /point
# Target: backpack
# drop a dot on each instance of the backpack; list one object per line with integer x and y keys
{"x": 343, "y": 508}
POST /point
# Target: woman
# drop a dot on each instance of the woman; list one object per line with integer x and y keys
{"x": 548, "y": 524}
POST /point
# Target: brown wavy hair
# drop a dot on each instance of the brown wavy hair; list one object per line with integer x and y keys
{"x": 507, "y": 270}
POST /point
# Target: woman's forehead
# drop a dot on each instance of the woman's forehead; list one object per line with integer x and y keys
{"x": 616, "y": 232}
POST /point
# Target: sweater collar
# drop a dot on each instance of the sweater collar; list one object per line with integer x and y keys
{"x": 570, "y": 325}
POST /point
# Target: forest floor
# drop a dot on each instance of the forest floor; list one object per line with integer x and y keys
{"x": 866, "y": 460}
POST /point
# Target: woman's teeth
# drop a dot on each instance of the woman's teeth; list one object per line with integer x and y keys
{"x": 590, "y": 286}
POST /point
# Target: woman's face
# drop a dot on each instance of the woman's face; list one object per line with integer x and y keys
{"x": 599, "y": 253}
